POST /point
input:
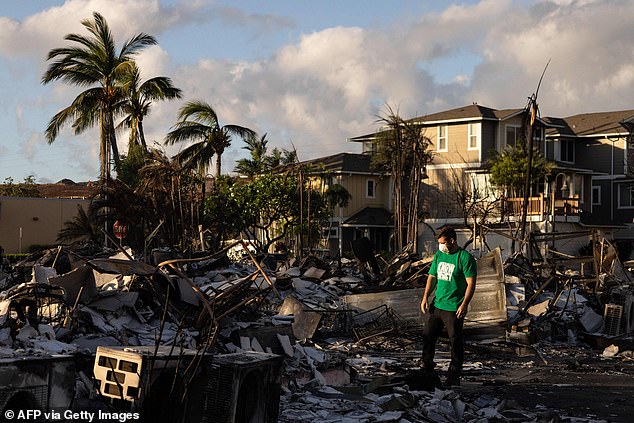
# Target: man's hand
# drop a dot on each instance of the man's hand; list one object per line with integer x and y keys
{"x": 461, "y": 312}
{"x": 424, "y": 305}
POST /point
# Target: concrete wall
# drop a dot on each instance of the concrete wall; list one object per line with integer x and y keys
{"x": 30, "y": 221}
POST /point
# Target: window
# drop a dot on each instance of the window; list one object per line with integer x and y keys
{"x": 480, "y": 186}
{"x": 370, "y": 188}
{"x": 442, "y": 138}
{"x": 596, "y": 196}
{"x": 626, "y": 196}
{"x": 567, "y": 151}
{"x": 512, "y": 136}
{"x": 538, "y": 134}
{"x": 474, "y": 129}
{"x": 369, "y": 147}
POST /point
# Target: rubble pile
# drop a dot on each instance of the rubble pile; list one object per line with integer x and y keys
{"x": 349, "y": 331}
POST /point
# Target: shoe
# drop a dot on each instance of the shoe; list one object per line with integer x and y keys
{"x": 423, "y": 380}
{"x": 428, "y": 367}
{"x": 452, "y": 380}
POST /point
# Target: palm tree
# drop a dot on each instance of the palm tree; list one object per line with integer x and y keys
{"x": 138, "y": 99}
{"x": 81, "y": 228}
{"x": 92, "y": 62}
{"x": 261, "y": 161}
{"x": 205, "y": 128}
{"x": 258, "y": 161}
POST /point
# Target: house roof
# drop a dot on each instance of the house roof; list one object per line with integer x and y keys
{"x": 342, "y": 163}
{"x": 470, "y": 112}
{"x": 68, "y": 189}
{"x": 473, "y": 111}
{"x": 592, "y": 124}
{"x": 370, "y": 216}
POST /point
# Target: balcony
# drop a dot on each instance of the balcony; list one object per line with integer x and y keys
{"x": 541, "y": 206}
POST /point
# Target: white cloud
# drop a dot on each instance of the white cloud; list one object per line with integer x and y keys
{"x": 331, "y": 83}
{"x": 588, "y": 44}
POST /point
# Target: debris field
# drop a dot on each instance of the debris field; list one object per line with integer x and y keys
{"x": 328, "y": 340}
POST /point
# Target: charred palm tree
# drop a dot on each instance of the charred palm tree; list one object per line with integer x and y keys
{"x": 171, "y": 190}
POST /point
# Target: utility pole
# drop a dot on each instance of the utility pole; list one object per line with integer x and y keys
{"x": 532, "y": 110}
{"x": 528, "y": 127}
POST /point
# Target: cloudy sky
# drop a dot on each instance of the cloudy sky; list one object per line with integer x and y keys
{"x": 311, "y": 74}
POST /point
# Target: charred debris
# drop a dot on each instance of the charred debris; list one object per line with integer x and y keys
{"x": 300, "y": 340}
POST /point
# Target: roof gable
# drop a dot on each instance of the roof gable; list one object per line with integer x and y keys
{"x": 342, "y": 163}
{"x": 589, "y": 124}
{"x": 473, "y": 111}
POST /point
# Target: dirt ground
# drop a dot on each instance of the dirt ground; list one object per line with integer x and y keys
{"x": 575, "y": 380}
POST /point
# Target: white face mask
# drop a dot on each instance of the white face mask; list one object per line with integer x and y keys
{"x": 443, "y": 248}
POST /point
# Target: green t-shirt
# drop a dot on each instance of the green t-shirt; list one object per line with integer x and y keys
{"x": 451, "y": 271}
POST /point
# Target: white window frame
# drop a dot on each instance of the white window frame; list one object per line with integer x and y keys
{"x": 596, "y": 188}
{"x": 367, "y": 186}
{"x": 618, "y": 190}
{"x": 480, "y": 181}
{"x": 517, "y": 128}
{"x": 473, "y": 127}
{"x": 445, "y": 138}
{"x": 369, "y": 147}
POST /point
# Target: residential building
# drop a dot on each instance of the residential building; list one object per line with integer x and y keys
{"x": 600, "y": 142}
{"x": 591, "y": 183}
{"x": 367, "y": 213}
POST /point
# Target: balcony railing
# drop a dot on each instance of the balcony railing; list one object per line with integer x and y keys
{"x": 539, "y": 206}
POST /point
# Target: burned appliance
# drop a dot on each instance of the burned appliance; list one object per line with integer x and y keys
{"x": 238, "y": 388}
{"x": 183, "y": 386}
{"x": 147, "y": 379}
{"x": 40, "y": 384}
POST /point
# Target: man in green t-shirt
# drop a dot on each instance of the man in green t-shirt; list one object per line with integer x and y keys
{"x": 454, "y": 270}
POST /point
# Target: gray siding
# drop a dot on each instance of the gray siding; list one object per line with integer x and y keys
{"x": 596, "y": 155}
{"x": 550, "y": 150}
{"x": 603, "y": 211}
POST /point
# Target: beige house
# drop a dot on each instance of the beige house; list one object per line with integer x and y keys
{"x": 368, "y": 213}
{"x": 592, "y": 183}
{"x": 464, "y": 140}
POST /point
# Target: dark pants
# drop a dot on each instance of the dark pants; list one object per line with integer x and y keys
{"x": 435, "y": 319}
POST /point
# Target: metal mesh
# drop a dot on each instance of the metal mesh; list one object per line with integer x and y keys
{"x": 219, "y": 395}
{"x": 377, "y": 321}
{"x": 612, "y": 319}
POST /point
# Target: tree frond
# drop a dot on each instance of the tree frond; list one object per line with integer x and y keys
{"x": 241, "y": 131}
{"x": 199, "y": 111}
{"x": 135, "y": 44}
{"x": 160, "y": 88}
{"x": 184, "y": 131}
{"x": 196, "y": 155}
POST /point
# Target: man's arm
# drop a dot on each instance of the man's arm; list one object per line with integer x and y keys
{"x": 424, "y": 305}
{"x": 468, "y": 295}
